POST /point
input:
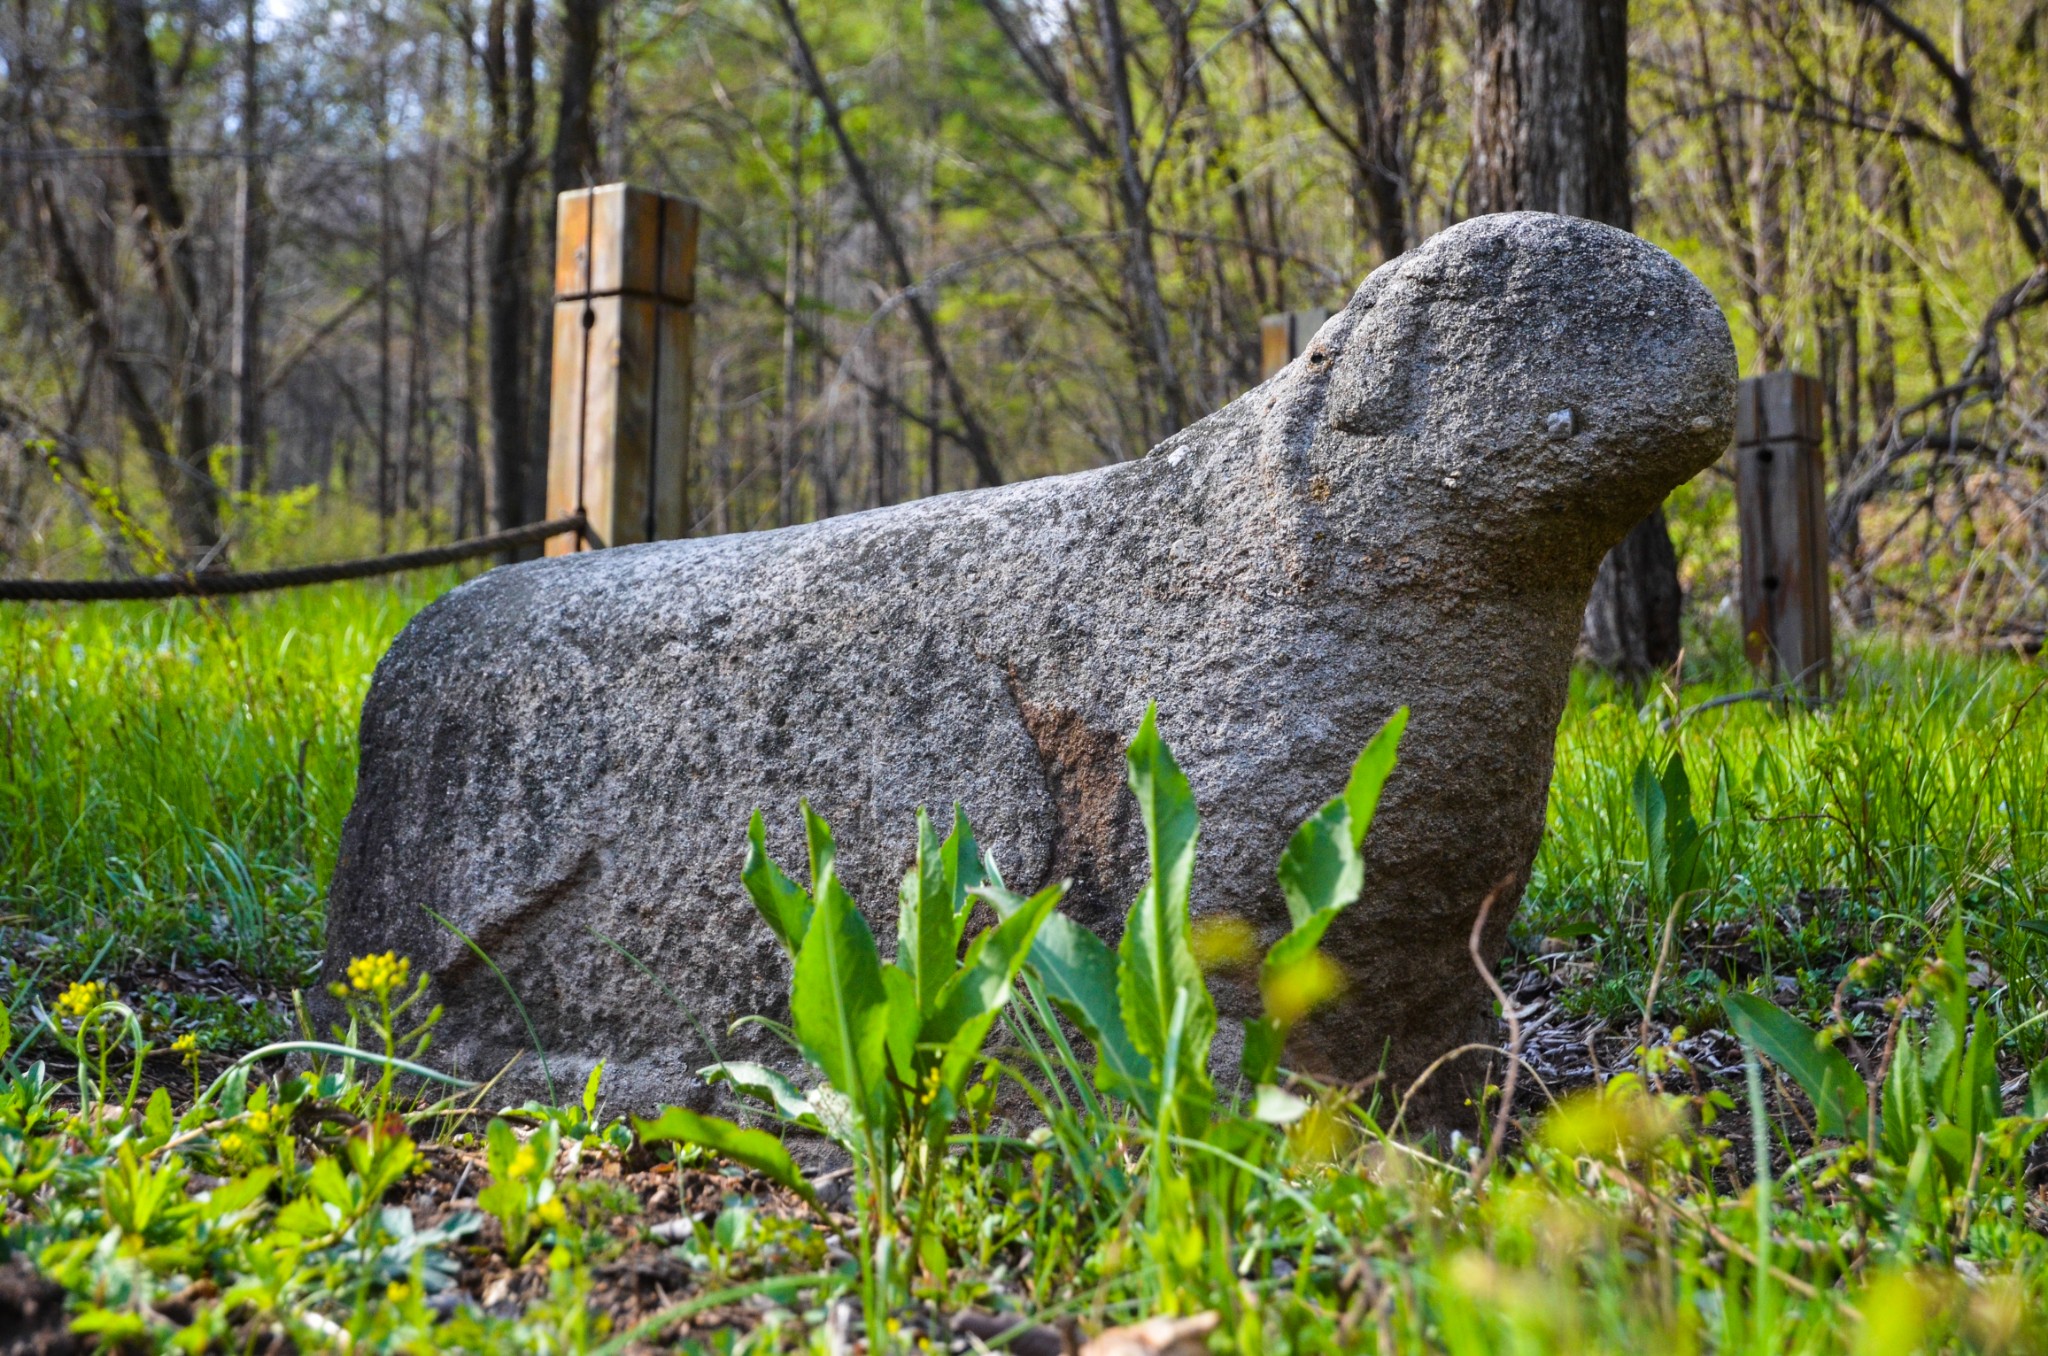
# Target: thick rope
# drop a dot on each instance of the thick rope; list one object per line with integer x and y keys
{"x": 257, "y": 581}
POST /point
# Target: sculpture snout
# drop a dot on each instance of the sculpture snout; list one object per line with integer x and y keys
{"x": 1539, "y": 367}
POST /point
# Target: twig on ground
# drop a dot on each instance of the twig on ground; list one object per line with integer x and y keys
{"x": 1507, "y": 1006}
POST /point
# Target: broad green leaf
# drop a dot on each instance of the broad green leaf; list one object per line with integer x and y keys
{"x": 1079, "y": 975}
{"x": 1682, "y": 830}
{"x": 1954, "y": 1148}
{"x": 501, "y": 1144}
{"x": 1672, "y": 843}
{"x": 330, "y": 1187}
{"x": 927, "y": 943}
{"x": 1943, "y": 1063}
{"x": 1903, "y": 1115}
{"x": 783, "y": 905}
{"x": 237, "y": 1193}
{"x": 903, "y": 1023}
{"x": 818, "y": 839}
{"x": 760, "y": 1081}
{"x": 1321, "y": 874}
{"x": 1264, "y": 1041}
{"x": 1978, "y": 1101}
{"x": 1823, "y": 1073}
{"x": 756, "y": 1149}
{"x": 969, "y": 1002}
{"x": 960, "y": 860}
{"x": 1370, "y": 772}
{"x": 839, "y": 1007}
{"x": 1321, "y": 871}
{"x": 306, "y": 1217}
{"x": 1651, "y": 813}
{"x": 1157, "y": 965}
{"x": 158, "y": 1122}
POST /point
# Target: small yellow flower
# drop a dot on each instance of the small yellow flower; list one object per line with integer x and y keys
{"x": 398, "y": 1292}
{"x": 234, "y": 1144}
{"x": 551, "y": 1211}
{"x": 523, "y": 1163}
{"x": 380, "y": 974}
{"x": 259, "y": 1120}
{"x": 187, "y": 1044}
{"x": 83, "y": 997}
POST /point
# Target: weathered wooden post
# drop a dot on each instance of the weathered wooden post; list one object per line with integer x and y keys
{"x": 618, "y": 429}
{"x": 1283, "y": 336}
{"x": 1781, "y": 511}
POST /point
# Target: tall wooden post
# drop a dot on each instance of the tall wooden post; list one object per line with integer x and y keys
{"x": 1282, "y": 337}
{"x": 618, "y": 430}
{"x": 1781, "y": 510}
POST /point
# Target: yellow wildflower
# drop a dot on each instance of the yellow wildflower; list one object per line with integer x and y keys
{"x": 551, "y": 1211}
{"x": 83, "y": 997}
{"x": 187, "y": 1044}
{"x": 234, "y": 1144}
{"x": 523, "y": 1163}
{"x": 380, "y": 974}
{"x": 259, "y": 1120}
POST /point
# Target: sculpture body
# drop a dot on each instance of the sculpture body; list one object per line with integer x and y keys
{"x": 1410, "y": 513}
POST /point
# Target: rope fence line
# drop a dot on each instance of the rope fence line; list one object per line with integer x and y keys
{"x": 227, "y": 584}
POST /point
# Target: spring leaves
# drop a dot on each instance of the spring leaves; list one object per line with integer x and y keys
{"x": 897, "y": 1040}
{"x": 1321, "y": 873}
{"x": 1145, "y": 1007}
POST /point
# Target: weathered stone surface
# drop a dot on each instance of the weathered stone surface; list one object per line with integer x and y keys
{"x": 1412, "y": 513}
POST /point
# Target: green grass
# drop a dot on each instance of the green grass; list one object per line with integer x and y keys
{"x": 1919, "y": 797}
{"x": 173, "y": 787}
{"x": 173, "y": 780}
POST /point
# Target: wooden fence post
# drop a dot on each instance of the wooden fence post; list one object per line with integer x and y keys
{"x": 1282, "y": 337}
{"x": 1781, "y": 511}
{"x": 619, "y": 422}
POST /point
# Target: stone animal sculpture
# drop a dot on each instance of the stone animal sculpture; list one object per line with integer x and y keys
{"x": 561, "y": 757}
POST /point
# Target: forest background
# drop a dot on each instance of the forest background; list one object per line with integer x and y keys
{"x": 273, "y": 283}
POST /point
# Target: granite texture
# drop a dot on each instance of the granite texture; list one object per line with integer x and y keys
{"x": 561, "y": 756}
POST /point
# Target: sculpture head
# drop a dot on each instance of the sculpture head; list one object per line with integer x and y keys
{"x": 1531, "y": 380}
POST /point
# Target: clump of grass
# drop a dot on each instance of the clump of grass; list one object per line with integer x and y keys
{"x": 1919, "y": 797}
{"x": 323, "y": 1210}
{"x": 173, "y": 780}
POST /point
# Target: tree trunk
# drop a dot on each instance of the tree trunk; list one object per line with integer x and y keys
{"x": 186, "y": 478}
{"x": 575, "y": 163}
{"x": 252, "y": 213}
{"x": 384, "y": 271}
{"x": 788, "y": 455}
{"x": 508, "y": 74}
{"x": 1134, "y": 196}
{"x": 1550, "y": 134}
{"x": 970, "y": 434}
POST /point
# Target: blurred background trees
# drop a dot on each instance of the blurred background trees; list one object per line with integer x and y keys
{"x": 273, "y": 272}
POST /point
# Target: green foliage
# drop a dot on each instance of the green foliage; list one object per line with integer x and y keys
{"x": 1905, "y": 824}
{"x": 1162, "y": 1000}
{"x": 1820, "y": 1070}
{"x": 1939, "y": 1129}
{"x": 173, "y": 780}
{"x": 1820, "y": 836}
{"x": 521, "y": 1194}
{"x": 756, "y": 1149}
{"x": 1146, "y": 1008}
{"x": 1671, "y": 836}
